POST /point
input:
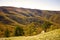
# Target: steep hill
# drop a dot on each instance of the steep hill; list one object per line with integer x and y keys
{"x": 17, "y": 15}
{"x": 27, "y": 19}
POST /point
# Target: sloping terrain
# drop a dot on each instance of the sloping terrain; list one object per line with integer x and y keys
{"x": 53, "y": 35}
{"x": 19, "y": 14}
{"x": 27, "y": 19}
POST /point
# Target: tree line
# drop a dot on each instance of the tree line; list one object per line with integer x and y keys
{"x": 31, "y": 30}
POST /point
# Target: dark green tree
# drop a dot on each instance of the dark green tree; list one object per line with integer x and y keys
{"x": 7, "y": 33}
{"x": 19, "y": 31}
{"x": 46, "y": 25}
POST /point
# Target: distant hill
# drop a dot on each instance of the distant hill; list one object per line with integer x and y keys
{"x": 10, "y": 17}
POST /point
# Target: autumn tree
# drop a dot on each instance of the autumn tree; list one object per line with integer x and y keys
{"x": 31, "y": 30}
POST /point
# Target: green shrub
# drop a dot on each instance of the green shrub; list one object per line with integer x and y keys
{"x": 46, "y": 25}
{"x": 7, "y": 33}
{"x": 19, "y": 31}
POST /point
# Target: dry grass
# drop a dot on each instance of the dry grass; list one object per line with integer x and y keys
{"x": 53, "y": 35}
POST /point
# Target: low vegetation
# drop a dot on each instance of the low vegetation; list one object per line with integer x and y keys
{"x": 7, "y": 33}
{"x": 27, "y": 22}
{"x": 29, "y": 30}
{"x": 19, "y": 31}
{"x": 52, "y": 35}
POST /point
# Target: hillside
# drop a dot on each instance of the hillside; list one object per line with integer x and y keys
{"x": 52, "y": 35}
{"x": 18, "y": 14}
{"x": 31, "y": 21}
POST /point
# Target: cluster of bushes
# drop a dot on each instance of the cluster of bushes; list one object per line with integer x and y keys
{"x": 18, "y": 32}
{"x": 29, "y": 30}
{"x": 46, "y": 25}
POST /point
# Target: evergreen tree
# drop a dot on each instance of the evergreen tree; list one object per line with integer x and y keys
{"x": 19, "y": 31}
{"x": 46, "y": 25}
{"x": 7, "y": 33}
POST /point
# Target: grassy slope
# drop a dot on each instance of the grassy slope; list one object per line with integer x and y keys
{"x": 53, "y": 35}
{"x": 18, "y": 16}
